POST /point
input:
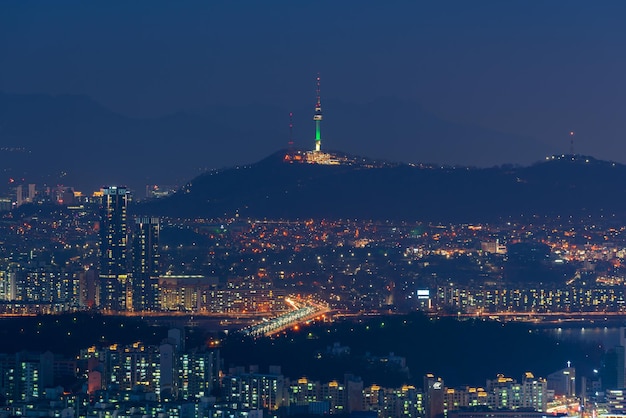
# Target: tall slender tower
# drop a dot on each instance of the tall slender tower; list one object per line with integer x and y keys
{"x": 318, "y": 117}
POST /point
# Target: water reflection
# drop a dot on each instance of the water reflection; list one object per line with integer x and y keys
{"x": 607, "y": 336}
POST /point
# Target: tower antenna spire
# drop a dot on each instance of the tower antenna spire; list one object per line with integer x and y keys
{"x": 317, "y": 92}
{"x": 571, "y": 143}
{"x": 290, "y": 143}
{"x": 318, "y": 115}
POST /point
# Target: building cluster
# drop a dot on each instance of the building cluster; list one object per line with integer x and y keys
{"x": 26, "y": 193}
{"x": 170, "y": 380}
{"x": 113, "y": 265}
{"x": 115, "y": 380}
{"x": 196, "y": 293}
{"x": 53, "y": 289}
{"x": 129, "y": 261}
{"x": 280, "y": 395}
{"x": 553, "y": 298}
{"x": 503, "y": 393}
{"x": 30, "y": 193}
{"x": 274, "y": 392}
{"x": 34, "y": 280}
{"x": 166, "y": 371}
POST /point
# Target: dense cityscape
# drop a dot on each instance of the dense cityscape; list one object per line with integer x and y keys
{"x": 437, "y": 231}
{"x": 56, "y": 257}
{"x": 65, "y": 253}
{"x": 236, "y": 282}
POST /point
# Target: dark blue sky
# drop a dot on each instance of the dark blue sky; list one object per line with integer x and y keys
{"x": 536, "y": 69}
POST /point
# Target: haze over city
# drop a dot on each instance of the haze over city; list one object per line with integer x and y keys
{"x": 448, "y": 82}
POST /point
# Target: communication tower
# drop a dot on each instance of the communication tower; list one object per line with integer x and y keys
{"x": 318, "y": 117}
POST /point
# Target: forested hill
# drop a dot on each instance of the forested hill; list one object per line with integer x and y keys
{"x": 271, "y": 188}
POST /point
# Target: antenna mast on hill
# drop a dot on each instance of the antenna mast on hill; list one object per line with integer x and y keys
{"x": 290, "y": 143}
{"x": 290, "y": 130}
{"x": 571, "y": 143}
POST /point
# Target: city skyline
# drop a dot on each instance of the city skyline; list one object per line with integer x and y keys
{"x": 450, "y": 242}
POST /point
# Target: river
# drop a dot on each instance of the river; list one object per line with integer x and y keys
{"x": 608, "y": 336}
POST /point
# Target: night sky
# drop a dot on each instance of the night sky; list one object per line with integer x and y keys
{"x": 531, "y": 71}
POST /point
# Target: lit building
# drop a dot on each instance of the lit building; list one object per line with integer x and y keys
{"x": 488, "y": 413}
{"x": 7, "y": 285}
{"x": 505, "y": 393}
{"x": 534, "y": 392}
{"x": 183, "y": 292}
{"x": 616, "y": 398}
{"x": 198, "y": 373}
{"x": 408, "y": 402}
{"x": 49, "y": 287}
{"x": 25, "y": 375}
{"x": 115, "y": 287}
{"x": 404, "y": 402}
{"x": 373, "y": 399}
{"x": 493, "y": 247}
{"x": 336, "y": 395}
{"x": 196, "y": 293}
{"x": 122, "y": 367}
{"x": 303, "y": 392}
{"x": 254, "y": 390}
{"x": 146, "y": 264}
{"x": 88, "y": 287}
{"x": 49, "y": 284}
{"x": 138, "y": 367}
{"x": 5, "y": 204}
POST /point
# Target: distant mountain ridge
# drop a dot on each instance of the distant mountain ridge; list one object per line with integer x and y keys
{"x": 73, "y": 140}
{"x": 561, "y": 186}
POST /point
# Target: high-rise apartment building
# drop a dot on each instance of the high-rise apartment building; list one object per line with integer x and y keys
{"x": 146, "y": 263}
{"x": 25, "y": 194}
{"x": 336, "y": 395}
{"x": 254, "y": 390}
{"x": 198, "y": 372}
{"x": 25, "y": 375}
{"x": 115, "y": 286}
{"x": 535, "y": 392}
{"x": 433, "y": 396}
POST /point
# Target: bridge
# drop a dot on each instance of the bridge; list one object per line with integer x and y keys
{"x": 302, "y": 310}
